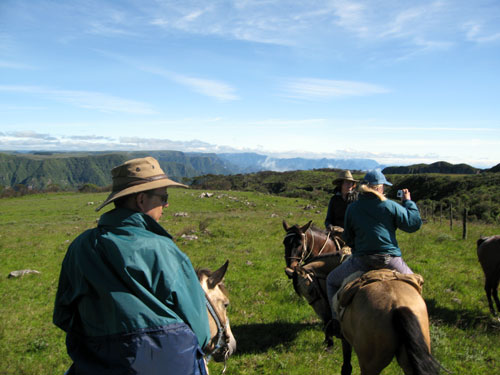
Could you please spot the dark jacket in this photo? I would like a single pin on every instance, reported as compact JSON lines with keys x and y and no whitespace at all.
{"x":337,"y":207}
{"x":130,"y":301}
{"x":370,"y":224}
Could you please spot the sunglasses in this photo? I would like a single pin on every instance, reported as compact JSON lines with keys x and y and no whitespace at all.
{"x":163,"y":197}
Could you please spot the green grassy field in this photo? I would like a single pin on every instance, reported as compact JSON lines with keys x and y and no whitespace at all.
{"x":277,"y":332}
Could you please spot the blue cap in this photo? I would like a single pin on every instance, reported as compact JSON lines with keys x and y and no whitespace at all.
{"x":376,"y":177}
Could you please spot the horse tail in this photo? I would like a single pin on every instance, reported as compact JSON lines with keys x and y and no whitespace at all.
{"x":410,"y":335}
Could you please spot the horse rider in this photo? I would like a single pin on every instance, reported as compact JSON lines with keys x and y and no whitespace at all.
{"x":370,"y":231}
{"x":343,"y":194}
{"x":128,"y":299}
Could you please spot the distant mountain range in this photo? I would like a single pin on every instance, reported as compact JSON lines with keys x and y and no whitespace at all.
{"x":70,"y":170}
{"x":252,"y":162}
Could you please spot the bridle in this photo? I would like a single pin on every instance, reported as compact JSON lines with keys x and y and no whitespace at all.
{"x":307,"y":251}
{"x":222,"y":344}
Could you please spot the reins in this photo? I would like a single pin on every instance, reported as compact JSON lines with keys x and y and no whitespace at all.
{"x":222,"y":344}
{"x":307,"y":252}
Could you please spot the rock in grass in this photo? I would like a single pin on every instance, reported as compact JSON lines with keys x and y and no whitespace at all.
{"x":20,"y":273}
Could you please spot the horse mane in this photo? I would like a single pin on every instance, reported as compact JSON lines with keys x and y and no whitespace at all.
{"x":319,"y":231}
{"x":313,"y":228}
{"x":316,"y":229}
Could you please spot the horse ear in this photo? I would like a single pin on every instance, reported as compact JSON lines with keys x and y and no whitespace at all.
{"x":217,"y":276}
{"x":306,"y":227}
{"x":285,"y":226}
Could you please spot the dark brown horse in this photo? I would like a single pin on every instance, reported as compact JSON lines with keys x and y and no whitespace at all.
{"x":222,"y":343}
{"x":309,"y":281}
{"x":488,"y":253}
{"x":306,"y":242}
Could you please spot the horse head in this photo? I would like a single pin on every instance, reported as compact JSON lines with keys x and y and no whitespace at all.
{"x":222,"y":343}
{"x":295,"y":244}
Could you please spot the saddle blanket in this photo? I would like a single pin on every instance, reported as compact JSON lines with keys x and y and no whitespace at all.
{"x":358,"y":280}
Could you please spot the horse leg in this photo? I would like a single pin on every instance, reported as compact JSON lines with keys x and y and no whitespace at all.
{"x":346,"y":354}
{"x":488,"y":287}
{"x":328,"y":342}
{"x":494,"y":289}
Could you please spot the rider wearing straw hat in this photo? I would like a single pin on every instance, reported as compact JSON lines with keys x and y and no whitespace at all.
{"x":343,"y":194}
{"x":128,"y":299}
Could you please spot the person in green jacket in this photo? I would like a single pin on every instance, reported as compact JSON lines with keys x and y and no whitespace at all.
{"x":128,"y":299}
{"x":370,"y":230}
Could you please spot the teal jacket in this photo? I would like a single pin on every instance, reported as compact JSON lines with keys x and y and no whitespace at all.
{"x":127,"y":279}
{"x":370,"y":224}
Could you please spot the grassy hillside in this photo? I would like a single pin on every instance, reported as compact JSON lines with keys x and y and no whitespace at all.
{"x":437,"y":167}
{"x":479,"y":193}
{"x":69,"y":171}
{"x":277,"y":332}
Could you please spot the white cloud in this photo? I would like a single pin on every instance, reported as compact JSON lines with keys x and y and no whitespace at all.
{"x":31,"y":140}
{"x":14,"y":65}
{"x":84,"y":99}
{"x":212,"y":88}
{"x":475,"y":33}
{"x":208,"y":87}
{"x":313,"y":88}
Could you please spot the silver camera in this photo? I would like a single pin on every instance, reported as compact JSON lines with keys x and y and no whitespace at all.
{"x":399,"y":194}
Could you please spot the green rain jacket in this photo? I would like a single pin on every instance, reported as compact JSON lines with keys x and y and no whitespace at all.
{"x":370,"y":224}
{"x":126,"y":283}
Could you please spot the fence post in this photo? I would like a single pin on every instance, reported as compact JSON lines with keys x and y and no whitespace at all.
{"x":464,"y":232}
{"x":440,"y":212}
{"x":451,"y":216}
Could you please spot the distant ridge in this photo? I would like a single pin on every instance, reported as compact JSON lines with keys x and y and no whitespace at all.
{"x":66,"y":170}
{"x":72,"y":170}
{"x":40,"y":170}
{"x":252,"y":162}
{"x":437,"y":167}
{"x":494,"y":169}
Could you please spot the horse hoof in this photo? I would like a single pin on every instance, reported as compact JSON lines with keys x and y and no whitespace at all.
{"x":329,"y":345}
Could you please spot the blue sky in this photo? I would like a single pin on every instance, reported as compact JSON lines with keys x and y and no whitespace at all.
{"x":396,"y":81}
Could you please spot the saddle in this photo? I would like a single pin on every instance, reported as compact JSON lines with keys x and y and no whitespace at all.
{"x":336,"y":236}
{"x":358,"y":280}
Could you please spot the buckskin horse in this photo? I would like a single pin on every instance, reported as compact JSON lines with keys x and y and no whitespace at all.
{"x":306,"y":242}
{"x":488,"y":253}
{"x":386,"y":317}
{"x":222,"y":343}
{"x":383,"y":316}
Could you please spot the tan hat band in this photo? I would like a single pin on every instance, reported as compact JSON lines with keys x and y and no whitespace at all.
{"x":139,"y":181}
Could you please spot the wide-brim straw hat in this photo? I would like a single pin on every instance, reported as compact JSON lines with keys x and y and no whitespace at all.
{"x":137,"y":175}
{"x":344,"y":176}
